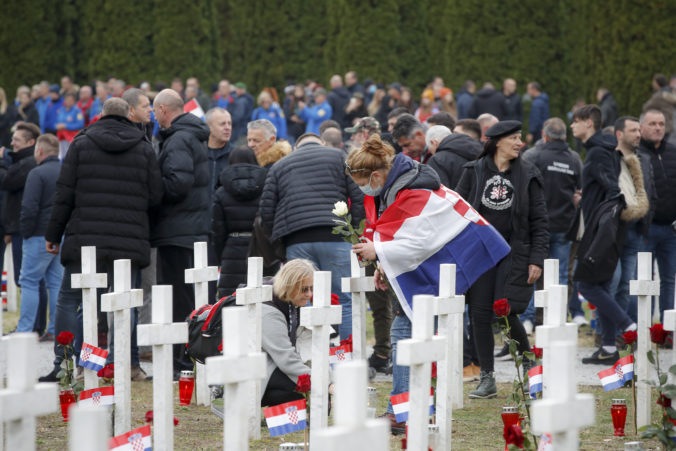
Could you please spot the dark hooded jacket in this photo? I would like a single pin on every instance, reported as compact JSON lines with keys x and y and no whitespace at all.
{"x":451,"y":155}
{"x":183,"y":216}
{"x":12,"y":182}
{"x":108,"y":182}
{"x":234,"y":210}
{"x":488,"y":101}
{"x":609,"y":111}
{"x":338,"y":99}
{"x":529,"y":234}
{"x":600,"y":173}
{"x":663,"y":161}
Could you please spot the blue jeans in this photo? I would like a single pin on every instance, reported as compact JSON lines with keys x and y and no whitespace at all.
{"x":401,"y":330}
{"x":334,"y":257}
{"x":662,"y":243}
{"x":633,"y":243}
{"x":41,"y":307}
{"x":612,"y":316}
{"x":37,"y":264}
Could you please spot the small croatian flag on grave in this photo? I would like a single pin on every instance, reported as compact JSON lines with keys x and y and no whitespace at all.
{"x":286,"y":418}
{"x":340,"y":354}
{"x":134,"y":440}
{"x":193,"y":107}
{"x":625,"y":368}
{"x":100,"y":396}
{"x":92,"y":357}
{"x":400,"y":405}
{"x":535,"y":380}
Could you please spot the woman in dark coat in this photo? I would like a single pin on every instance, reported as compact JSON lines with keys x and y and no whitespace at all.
{"x":508,"y":192}
{"x":234,"y":210}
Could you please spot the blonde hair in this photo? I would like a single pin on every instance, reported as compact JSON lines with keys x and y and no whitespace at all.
{"x":374,"y":154}
{"x":264,"y":95}
{"x":289,"y":279}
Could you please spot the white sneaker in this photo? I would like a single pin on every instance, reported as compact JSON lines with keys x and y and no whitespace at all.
{"x":580,"y":320}
{"x":528,"y":326}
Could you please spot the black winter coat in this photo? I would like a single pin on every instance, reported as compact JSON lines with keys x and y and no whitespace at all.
{"x":338,"y":99}
{"x":529,"y":238}
{"x":183,"y":216}
{"x":108,"y":182}
{"x":663,"y":160}
{"x":600,"y":173}
{"x":218,"y":160}
{"x":609,"y":111}
{"x":36,"y":206}
{"x":513,"y":108}
{"x":12,"y":181}
{"x":302,"y":188}
{"x":488,"y":101}
{"x":453,"y":153}
{"x":235,"y":207}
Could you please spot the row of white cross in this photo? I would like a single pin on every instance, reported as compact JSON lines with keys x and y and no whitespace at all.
{"x":561,"y":412}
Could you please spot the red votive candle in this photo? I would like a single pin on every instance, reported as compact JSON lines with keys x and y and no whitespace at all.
{"x":186,"y":383}
{"x":619,"y":413}
{"x":510,"y":417}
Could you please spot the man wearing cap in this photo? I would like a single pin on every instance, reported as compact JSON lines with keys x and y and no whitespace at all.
{"x":315,"y":115}
{"x":240,"y":109}
{"x":362,"y":130}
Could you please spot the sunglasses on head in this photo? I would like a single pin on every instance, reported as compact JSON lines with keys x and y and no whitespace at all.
{"x":350,"y":171}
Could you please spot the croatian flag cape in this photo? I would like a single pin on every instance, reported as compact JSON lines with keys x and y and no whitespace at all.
{"x":422,"y":229}
{"x":135,"y":440}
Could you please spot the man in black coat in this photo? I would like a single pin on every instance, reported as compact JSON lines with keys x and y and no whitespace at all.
{"x":488,"y":100}
{"x":452,"y":153}
{"x":108,"y":182}
{"x":513,"y":106}
{"x":338,"y":98}
{"x":608,"y":105}
{"x":183,"y":216}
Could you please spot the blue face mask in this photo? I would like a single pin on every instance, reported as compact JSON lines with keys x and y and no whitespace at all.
{"x":367,"y":190}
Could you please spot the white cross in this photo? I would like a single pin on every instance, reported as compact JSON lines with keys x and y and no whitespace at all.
{"x":236,"y":368}
{"x":419,"y":352}
{"x":351,"y":429}
{"x":23,"y":400}
{"x":550,"y":277}
{"x":319,"y":318}
{"x":450,"y":309}
{"x":358,"y":284}
{"x":89,"y":280}
{"x":201,"y":275}
{"x":119,"y":302}
{"x":565,"y":412}
{"x":669,"y":323}
{"x":162,"y":334}
{"x":11,"y":286}
{"x":88,"y":427}
{"x":645,"y":287}
{"x":252,"y":296}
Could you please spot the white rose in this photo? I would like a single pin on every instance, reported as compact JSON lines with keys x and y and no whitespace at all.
{"x":339,"y":208}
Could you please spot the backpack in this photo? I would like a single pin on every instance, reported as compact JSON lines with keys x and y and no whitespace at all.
{"x":205,"y":329}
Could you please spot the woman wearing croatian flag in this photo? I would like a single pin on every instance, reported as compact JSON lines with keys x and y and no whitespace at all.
{"x":508,"y":192}
{"x":413,"y":225}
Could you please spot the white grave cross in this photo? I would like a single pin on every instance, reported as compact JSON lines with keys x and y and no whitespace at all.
{"x":162,"y":334}
{"x":351,"y":429}
{"x":358,"y":284}
{"x":89,"y":427}
{"x":89,"y":280}
{"x":236,"y":369}
{"x":201,"y":275}
{"x":319,"y":318}
{"x":565,"y":412}
{"x":450,"y":309}
{"x":252,"y":296}
{"x":645,"y":287}
{"x":550,"y":277}
{"x":670,"y":324}
{"x":119,"y":302}
{"x":418,"y":352}
{"x":23,"y":399}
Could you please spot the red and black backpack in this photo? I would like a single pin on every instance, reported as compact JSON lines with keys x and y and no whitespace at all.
{"x":205,"y":333}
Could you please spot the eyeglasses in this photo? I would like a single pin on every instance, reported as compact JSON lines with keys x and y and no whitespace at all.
{"x":350,"y":171}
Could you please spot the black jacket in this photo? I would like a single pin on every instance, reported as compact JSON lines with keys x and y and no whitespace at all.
{"x":451,"y":155}
{"x":108,"y":182}
{"x":529,"y":239}
{"x":600,"y":172}
{"x":36,"y":206}
{"x":609,"y":111}
{"x":338,"y":99}
{"x":218,"y":160}
{"x":240,"y":109}
{"x":561,"y":169}
{"x":513,"y":108}
{"x":12,"y":181}
{"x":234,"y":210}
{"x":183,"y":216}
{"x":663,"y":161}
{"x":302,"y":188}
{"x":488,"y":101}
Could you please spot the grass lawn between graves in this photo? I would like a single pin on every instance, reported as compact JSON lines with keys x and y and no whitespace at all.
{"x":478,"y":426}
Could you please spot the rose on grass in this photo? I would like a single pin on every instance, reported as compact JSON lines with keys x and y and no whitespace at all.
{"x":658,"y":335}
{"x":64,"y":338}
{"x":339,"y":208}
{"x":303,"y":385}
{"x":107,"y":372}
{"x":514,"y":435}
{"x":537,"y":351}
{"x":629,"y":336}
{"x":501,"y":307}
{"x":150,"y":418}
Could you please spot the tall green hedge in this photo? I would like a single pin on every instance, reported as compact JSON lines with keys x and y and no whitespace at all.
{"x":572,"y":47}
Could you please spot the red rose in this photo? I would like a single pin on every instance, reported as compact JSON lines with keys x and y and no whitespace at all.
{"x":107,"y":371}
{"x":514,"y":436}
{"x":537,"y":351}
{"x":335,"y":300}
{"x":64,"y":338}
{"x":629,"y":336}
{"x":664,"y":401}
{"x":149,"y":416}
{"x":434,"y":369}
{"x":303,"y":385}
{"x":175,"y":421}
{"x":658,"y":335}
{"x":501,"y":307}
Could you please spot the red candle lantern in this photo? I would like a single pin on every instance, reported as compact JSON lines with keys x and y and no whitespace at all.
{"x":66,"y":398}
{"x":510,"y":417}
{"x":619,"y":413}
{"x":186,"y":383}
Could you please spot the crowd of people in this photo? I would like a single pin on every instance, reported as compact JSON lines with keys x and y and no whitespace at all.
{"x":139,"y":175}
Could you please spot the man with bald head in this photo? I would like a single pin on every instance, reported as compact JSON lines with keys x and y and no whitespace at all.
{"x":486,"y":121}
{"x":513,"y":107}
{"x":338,"y":98}
{"x":183,"y":216}
{"x":220,"y":130}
